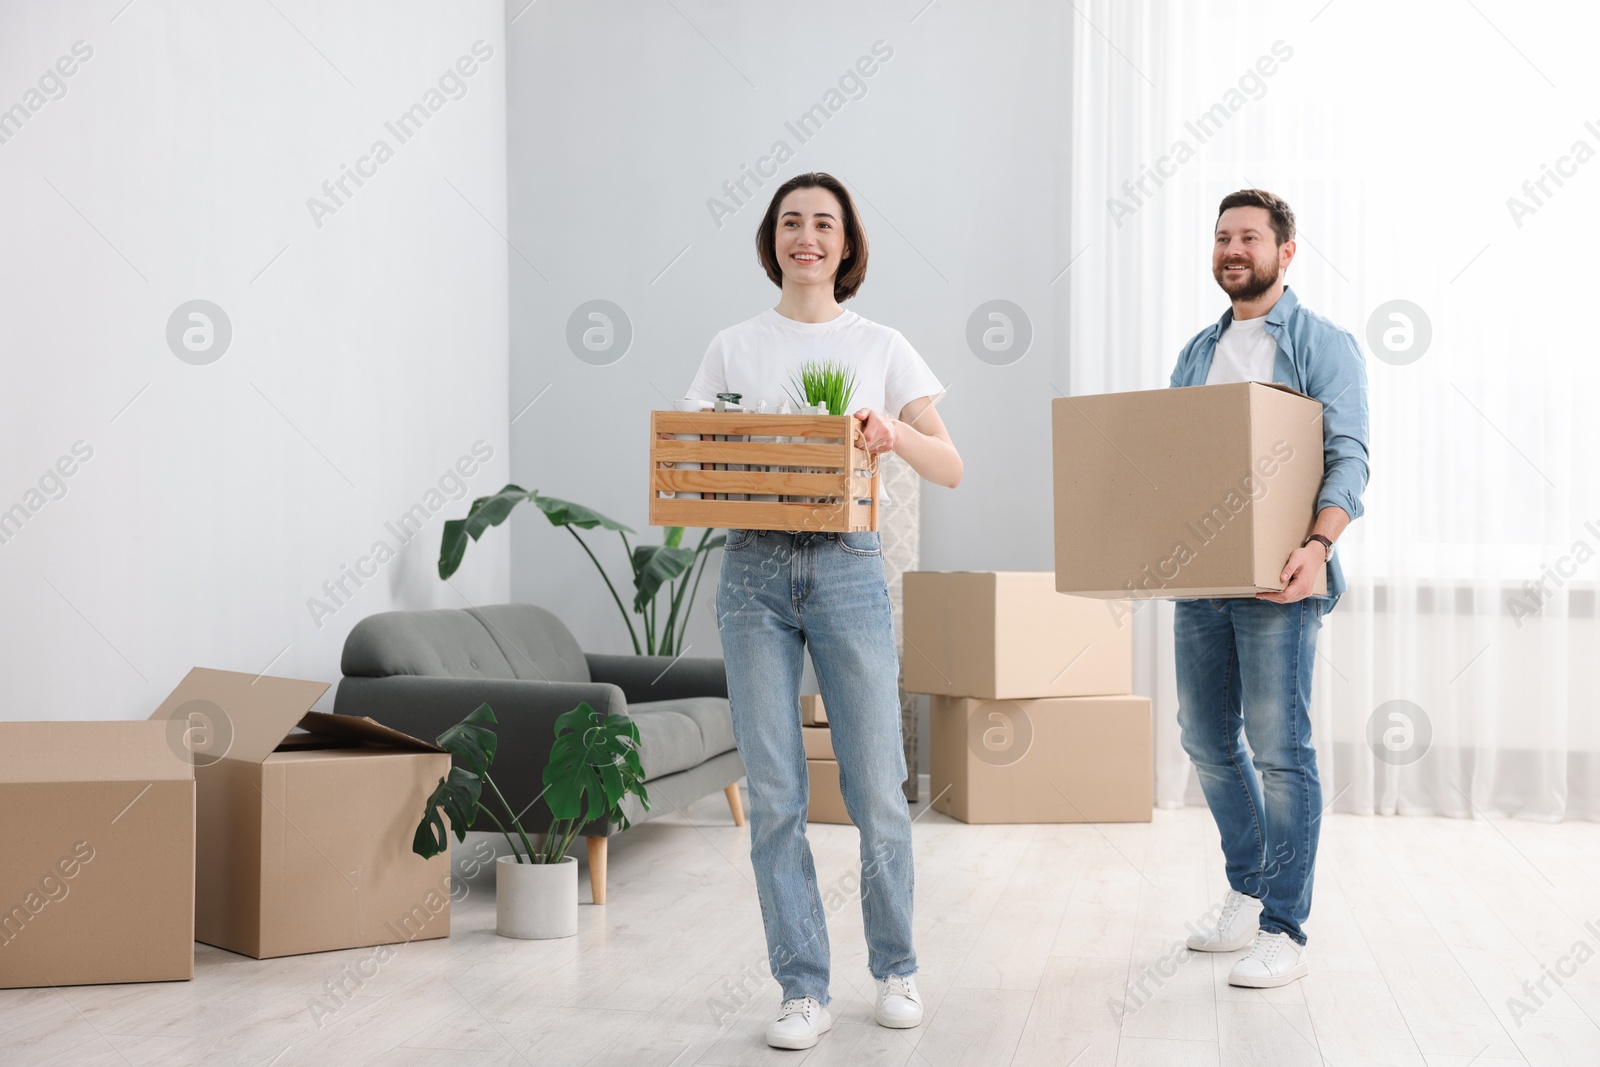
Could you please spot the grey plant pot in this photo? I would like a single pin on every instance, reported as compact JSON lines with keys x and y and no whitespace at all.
{"x":536,"y":901}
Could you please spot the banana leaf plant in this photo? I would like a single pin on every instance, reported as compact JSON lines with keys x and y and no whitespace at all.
{"x":655,"y":567}
{"x":593,"y":765}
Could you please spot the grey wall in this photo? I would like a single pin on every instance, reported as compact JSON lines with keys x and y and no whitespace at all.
{"x":620,"y":131}
{"x":367,"y":353}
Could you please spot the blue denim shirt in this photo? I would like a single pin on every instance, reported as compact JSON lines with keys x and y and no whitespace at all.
{"x":1323,"y":361}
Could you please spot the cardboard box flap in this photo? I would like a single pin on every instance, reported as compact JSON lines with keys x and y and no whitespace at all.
{"x":116,"y":750}
{"x":1284,"y":389}
{"x":243,"y":716}
{"x":1136,"y":392}
{"x":362,"y":730}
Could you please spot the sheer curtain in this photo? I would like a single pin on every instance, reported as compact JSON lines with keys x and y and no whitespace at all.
{"x":1444,"y":164}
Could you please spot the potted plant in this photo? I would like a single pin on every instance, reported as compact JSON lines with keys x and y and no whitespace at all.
{"x":655,"y":567}
{"x":593,"y":766}
{"x":825,"y":382}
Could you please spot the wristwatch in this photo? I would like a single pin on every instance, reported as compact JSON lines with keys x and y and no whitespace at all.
{"x":1327,"y":545}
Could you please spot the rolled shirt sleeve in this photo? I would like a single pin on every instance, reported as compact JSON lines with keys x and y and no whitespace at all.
{"x":1338,"y":379}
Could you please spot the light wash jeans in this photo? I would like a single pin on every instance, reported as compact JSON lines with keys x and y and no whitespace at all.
{"x":779,"y":593}
{"x":1246,"y":663}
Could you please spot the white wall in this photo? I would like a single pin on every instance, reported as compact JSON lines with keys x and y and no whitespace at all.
{"x":621,"y":130}
{"x":365,"y":359}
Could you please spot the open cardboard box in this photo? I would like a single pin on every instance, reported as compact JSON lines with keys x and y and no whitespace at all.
{"x":304,"y":835}
{"x":97,"y":883}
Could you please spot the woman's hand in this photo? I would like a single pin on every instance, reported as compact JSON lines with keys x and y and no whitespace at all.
{"x":882,"y":434}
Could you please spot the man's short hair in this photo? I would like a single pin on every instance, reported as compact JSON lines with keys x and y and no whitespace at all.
{"x":1277,"y":207}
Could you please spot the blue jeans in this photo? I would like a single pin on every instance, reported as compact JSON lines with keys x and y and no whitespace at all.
{"x":1244,"y":672}
{"x":780,"y":592}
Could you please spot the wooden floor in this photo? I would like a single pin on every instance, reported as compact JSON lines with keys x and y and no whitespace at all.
{"x":1028,"y":936}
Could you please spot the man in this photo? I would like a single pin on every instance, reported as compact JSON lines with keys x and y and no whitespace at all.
{"x":1246,"y":663}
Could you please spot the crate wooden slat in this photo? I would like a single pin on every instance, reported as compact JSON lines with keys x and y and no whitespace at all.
{"x":831,"y":460}
{"x":758,"y":452}
{"x":786,"y":483}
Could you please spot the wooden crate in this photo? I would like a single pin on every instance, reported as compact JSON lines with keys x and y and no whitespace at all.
{"x":848,"y":473}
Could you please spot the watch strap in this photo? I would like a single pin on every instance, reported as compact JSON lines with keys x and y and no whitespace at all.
{"x":1327,"y":545}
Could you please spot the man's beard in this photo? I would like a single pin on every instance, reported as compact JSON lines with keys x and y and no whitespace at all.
{"x":1255,"y":283}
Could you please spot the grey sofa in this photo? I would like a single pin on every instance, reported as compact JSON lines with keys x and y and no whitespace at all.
{"x":423,"y":671}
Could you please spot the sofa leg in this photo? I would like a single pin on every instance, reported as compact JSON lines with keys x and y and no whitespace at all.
{"x":597,"y":868}
{"x":735,"y":805}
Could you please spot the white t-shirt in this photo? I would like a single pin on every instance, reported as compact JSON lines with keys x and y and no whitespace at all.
{"x":1245,"y":352}
{"x":761,"y":357}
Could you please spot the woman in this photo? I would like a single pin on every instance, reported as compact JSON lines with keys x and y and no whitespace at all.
{"x":782,"y":591}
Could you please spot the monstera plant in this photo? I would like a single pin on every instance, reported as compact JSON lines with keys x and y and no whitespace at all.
{"x":593,"y":766}
{"x":668,"y":566}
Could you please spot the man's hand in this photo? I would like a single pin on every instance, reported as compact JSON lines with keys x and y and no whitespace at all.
{"x":1299,"y":573}
{"x":882,"y":434}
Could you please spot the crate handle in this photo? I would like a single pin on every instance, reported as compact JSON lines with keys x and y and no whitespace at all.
{"x":860,"y":441}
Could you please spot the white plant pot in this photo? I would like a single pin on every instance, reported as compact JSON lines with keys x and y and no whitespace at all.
{"x":536,"y":900}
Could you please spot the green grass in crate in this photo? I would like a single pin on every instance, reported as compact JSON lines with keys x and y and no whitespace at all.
{"x":825,"y":382}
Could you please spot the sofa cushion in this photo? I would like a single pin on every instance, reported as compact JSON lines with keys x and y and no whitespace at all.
{"x":536,"y":644}
{"x":511,"y":641}
{"x":675,"y":735}
{"x":443,"y":643}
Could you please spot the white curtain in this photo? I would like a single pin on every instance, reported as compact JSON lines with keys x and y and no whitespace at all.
{"x":1400,"y":134}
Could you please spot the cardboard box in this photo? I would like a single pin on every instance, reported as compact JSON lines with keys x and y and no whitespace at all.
{"x":304,"y":838}
{"x":97,"y":884}
{"x":818,"y":741}
{"x":827,"y":799}
{"x":1173,"y":493}
{"x":1059,"y":760}
{"x":812,"y":713}
{"x":1008,"y":634}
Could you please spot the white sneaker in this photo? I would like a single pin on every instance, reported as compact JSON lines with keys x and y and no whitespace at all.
{"x":1234,"y":928}
{"x":898,"y":1005}
{"x":1274,"y":960}
{"x":800,"y":1024}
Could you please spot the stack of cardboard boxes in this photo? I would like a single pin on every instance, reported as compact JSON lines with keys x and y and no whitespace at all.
{"x":1031,"y":716}
{"x":219,"y":821}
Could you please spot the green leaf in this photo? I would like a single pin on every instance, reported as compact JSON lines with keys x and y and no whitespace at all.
{"x":486,"y":511}
{"x":566,"y":513}
{"x":452,"y":546}
{"x":458,"y":795}
{"x":472,"y":744}
{"x":594,"y":764}
{"x":653,"y":567}
{"x":826,"y":381}
{"x":673,"y":536}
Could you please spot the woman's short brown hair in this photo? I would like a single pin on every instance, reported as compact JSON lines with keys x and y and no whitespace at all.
{"x":852,"y":269}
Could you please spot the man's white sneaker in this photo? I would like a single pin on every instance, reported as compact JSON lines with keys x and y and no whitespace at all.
{"x":801,"y":1023}
{"x":898,"y":1005}
{"x":1274,"y":960}
{"x":1233,"y":928}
